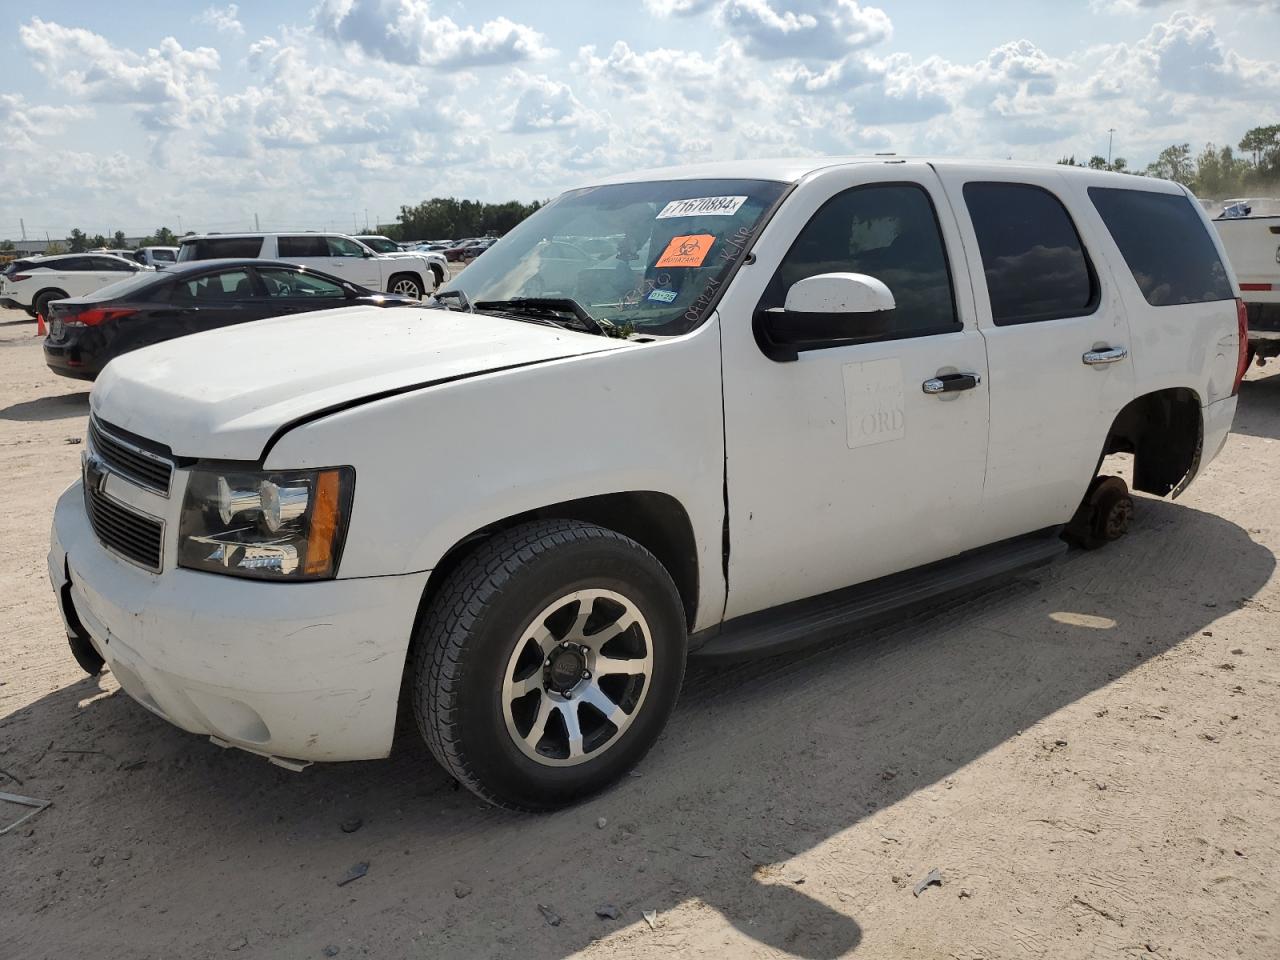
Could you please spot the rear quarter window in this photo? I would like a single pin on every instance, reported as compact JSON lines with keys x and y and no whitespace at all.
{"x":218,"y":248}
{"x":1164,"y":241}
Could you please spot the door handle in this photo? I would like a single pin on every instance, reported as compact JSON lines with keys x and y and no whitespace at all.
{"x":951,"y":382}
{"x":1106,"y":355}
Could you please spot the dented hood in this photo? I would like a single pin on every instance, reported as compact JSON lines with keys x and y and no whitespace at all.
{"x":224,"y":393}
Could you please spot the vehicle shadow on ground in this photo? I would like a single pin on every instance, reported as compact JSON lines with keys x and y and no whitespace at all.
{"x":1259,"y":406}
{"x":762,"y":762}
{"x":17,"y":323}
{"x":60,"y":407}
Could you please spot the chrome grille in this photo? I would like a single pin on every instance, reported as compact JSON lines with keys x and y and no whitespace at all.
{"x":143,"y":467}
{"x":133,"y":535}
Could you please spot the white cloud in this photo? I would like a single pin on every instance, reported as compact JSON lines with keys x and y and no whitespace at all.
{"x":223,"y":19}
{"x":406,"y":32}
{"x":678,"y":8}
{"x":804,"y":29}
{"x":170,"y":83}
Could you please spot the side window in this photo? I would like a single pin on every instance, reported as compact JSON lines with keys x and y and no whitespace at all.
{"x":72,"y":264}
{"x":111,"y":263}
{"x":1035,"y":264}
{"x":293,"y":283}
{"x":218,"y":248}
{"x":887,"y":231}
{"x":1165,"y":244}
{"x":342,"y":247}
{"x":309,"y":246}
{"x":213,"y":288}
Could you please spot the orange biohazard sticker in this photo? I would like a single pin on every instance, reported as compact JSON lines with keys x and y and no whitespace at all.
{"x":687,"y":251}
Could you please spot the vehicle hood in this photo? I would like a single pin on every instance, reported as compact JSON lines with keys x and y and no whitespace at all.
{"x":223,"y":394}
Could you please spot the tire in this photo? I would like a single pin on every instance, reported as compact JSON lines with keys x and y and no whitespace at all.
{"x":406,"y":284}
{"x":41,"y":303}
{"x":478,"y":636}
{"x":437,"y":274}
{"x":1104,"y":515}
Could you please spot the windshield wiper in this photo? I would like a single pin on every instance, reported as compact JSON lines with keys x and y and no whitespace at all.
{"x":542,"y":306}
{"x":464,"y":303}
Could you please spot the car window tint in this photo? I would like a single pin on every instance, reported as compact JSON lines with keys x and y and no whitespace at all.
{"x":342,"y":247}
{"x":164,"y":255}
{"x":69,"y":264}
{"x":212,"y":288}
{"x":294,"y":283}
{"x":221,"y":248}
{"x":1035,"y":264}
{"x":1164,"y":241}
{"x":111,"y":263}
{"x":306,"y":246}
{"x":887,"y":231}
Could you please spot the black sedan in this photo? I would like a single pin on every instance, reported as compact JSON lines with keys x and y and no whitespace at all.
{"x":86,"y":332}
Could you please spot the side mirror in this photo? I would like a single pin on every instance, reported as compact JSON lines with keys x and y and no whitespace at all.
{"x":826,"y":310}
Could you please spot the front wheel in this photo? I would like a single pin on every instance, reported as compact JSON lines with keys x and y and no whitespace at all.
{"x":548,"y":663}
{"x":406,"y":285}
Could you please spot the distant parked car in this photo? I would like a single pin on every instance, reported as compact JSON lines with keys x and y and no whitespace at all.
{"x":45,"y":279}
{"x":473,"y":251}
{"x":456,"y":251}
{"x":387,"y":247}
{"x":1252,"y":241}
{"x":86,"y":332}
{"x":410,"y":274}
{"x":158,"y":257}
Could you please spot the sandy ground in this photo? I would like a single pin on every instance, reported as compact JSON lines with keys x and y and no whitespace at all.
{"x":1090,"y":757}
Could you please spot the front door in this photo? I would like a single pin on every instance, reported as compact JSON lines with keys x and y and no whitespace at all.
{"x":841,"y":467}
{"x":1057,"y":340}
{"x":351,"y":261}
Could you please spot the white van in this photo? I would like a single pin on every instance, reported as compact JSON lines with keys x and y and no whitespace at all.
{"x":789,"y":398}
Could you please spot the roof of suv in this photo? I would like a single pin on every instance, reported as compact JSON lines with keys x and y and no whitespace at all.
{"x":794,"y":169}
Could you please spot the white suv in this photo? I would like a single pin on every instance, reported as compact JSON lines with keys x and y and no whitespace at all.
{"x":786,"y":400}
{"x":331,"y":253}
{"x":45,"y":279}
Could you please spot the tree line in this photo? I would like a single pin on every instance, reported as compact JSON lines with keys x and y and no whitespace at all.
{"x":450,"y":218}
{"x":1215,"y":173}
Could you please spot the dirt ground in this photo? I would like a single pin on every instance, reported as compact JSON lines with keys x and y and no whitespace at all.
{"x":1090,"y":757}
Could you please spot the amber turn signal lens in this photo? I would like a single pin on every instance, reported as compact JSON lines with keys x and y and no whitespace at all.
{"x":324,"y":524}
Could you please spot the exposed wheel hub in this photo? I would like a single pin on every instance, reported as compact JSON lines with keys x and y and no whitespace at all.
{"x":566,"y":667}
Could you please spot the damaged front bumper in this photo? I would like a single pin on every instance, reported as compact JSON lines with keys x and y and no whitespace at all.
{"x":294,"y":672}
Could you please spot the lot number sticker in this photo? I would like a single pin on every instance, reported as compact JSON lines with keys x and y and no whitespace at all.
{"x":687,"y":251}
{"x":702,"y":207}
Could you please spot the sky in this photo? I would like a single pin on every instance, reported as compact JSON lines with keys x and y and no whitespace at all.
{"x":330,"y":114}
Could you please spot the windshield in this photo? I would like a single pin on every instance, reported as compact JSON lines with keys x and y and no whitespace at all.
{"x":380,"y":244}
{"x":649,"y":256}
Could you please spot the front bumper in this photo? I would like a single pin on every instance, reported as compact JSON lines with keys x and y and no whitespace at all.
{"x":294,"y":671}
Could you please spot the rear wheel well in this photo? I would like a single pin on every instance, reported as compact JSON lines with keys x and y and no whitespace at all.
{"x":656,"y":521}
{"x":1164,"y":431}
{"x":58,"y":294}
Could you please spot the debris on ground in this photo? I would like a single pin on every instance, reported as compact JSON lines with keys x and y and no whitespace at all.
{"x":133,"y":765}
{"x":602,"y":823}
{"x":608,"y":911}
{"x":351,"y":825}
{"x":931,"y":879}
{"x":355,"y":873}
{"x":236,"y":944}
{"x":461,"y":890}
{"x":553,"y":919}
{"x":651,"y":918}
{"x":24,"y":802}
{"x":330,"y":951}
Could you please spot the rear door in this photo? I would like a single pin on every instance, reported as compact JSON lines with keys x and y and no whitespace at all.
{"x":105,"y":270}
{"x":308,"y":250}
{"x":1058,"y":343}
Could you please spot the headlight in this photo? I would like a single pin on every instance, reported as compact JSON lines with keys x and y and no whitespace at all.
{"x":276,"y":525}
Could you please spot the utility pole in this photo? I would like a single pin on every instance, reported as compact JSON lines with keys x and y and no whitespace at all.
{"x":22,"y":223}
{"x":257,"y":227}
{"x":179,"y":224}
{"x":1111,"y":133}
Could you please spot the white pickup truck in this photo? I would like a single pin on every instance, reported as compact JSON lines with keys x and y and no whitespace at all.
{"x":45,"y":279}
{"x":790,"y":398}
{"x":411,"y":275}
{"x":1252,"y":242}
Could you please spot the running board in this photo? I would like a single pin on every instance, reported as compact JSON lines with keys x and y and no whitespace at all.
{"x":867,"y":605}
